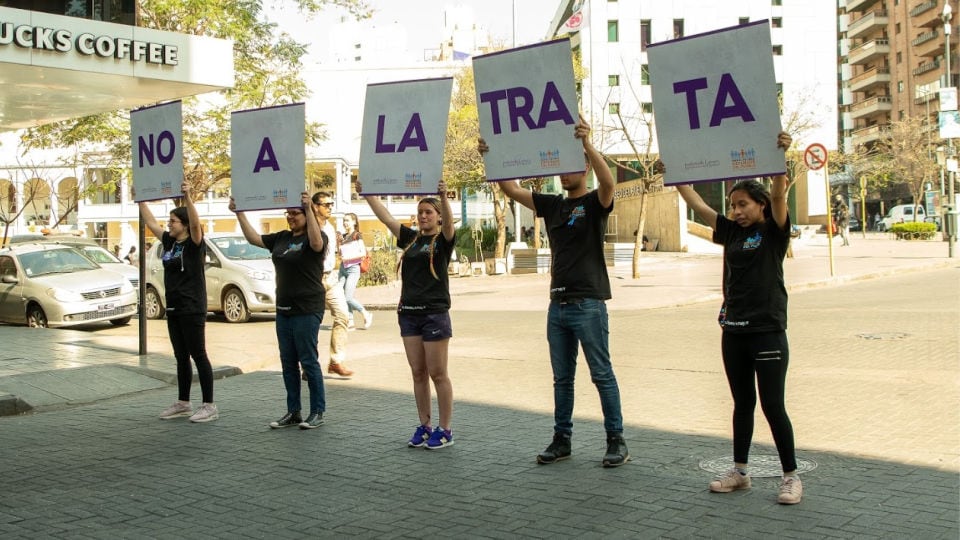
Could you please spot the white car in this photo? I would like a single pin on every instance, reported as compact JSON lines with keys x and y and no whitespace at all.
{"x":50,"y":285}
{"x":900,"y":214}
{"x":240,"y":278}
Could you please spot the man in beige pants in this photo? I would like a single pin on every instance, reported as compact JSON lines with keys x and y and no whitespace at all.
{"x":336,"y":302}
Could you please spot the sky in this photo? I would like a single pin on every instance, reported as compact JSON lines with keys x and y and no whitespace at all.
{"x":423,"y":20}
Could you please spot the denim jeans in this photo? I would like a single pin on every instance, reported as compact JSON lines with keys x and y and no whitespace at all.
{"x":570,"y":326}
{"x":297,"y":337}
{"x":349,"y":276}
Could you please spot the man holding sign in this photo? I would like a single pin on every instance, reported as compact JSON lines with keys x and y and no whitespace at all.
{"x":579,"y":288}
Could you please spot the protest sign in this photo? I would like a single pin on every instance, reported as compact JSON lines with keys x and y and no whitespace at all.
{"x":156,"y":145}
{"x":267,"y":157}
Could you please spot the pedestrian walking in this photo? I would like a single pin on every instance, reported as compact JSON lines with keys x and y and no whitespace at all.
{"x":352,"y":252}
{"x":841,"y":215}
{"x":579,"y":288}
{"x":335,"y":301}
{"x":297,"y":256}
{"x":424,"y":310}
{"x":132,"y":257}
{"x":753,"y":318}
{"x":184,"y":257}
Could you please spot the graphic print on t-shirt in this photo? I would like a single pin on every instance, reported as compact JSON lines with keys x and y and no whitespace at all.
{"x":577,"y":212}
{"x":169,"y":257}
{"x":752,"y":241}
{"x":292,"y":248}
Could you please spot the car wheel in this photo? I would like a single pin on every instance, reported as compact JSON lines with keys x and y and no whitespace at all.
{"x":36,"y":318}
{"x":123,"y":321}
{"x":152,"y":305}
{"x":235,"y":307}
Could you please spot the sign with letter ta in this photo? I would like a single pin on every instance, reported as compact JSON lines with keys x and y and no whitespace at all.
{"x":267,"y":157}
{"x":156,"y":144}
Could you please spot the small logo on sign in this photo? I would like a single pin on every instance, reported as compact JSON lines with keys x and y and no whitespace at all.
{"x":744,"y":158}
{"x":550,"y":159}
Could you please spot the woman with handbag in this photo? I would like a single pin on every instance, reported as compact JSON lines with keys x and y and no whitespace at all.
{"x":352,"y":254}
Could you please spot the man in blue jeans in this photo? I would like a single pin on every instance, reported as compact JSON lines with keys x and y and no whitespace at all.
{"x":579,"y":288}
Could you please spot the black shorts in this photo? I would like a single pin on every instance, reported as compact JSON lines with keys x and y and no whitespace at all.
{"x":430,"y":326}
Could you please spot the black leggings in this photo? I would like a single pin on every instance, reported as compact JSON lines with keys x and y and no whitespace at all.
{"x":188,"y":337}
{"x":764,"y":356}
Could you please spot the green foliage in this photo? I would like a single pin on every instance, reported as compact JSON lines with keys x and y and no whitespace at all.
{"x":914,"y":230}
{"x":383,"y":268}
{"x":466,"y":245}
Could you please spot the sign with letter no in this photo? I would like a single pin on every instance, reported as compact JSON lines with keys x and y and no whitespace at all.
{"x":815,"y":156}
{"x":156,"y":145}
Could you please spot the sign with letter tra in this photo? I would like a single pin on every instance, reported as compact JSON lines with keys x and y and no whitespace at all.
{"x":403,"y":136}
{"x":267,"y":157}
{"x":527,"y":104}
{"x":156,"y":145}
{"x":715,"y":105}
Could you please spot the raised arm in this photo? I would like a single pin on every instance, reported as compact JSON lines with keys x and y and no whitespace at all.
{"x":778,"y":186}
{"x":249,"y":232}
{"x":314,"y":231}
{"x":196,"y":228}
{"x":381,"y":211}
{"x":605,"y":181}
{"x":511,"y":188}
{"x":149,"y":221}
{"x":446,"y":213}
{"x":694,"y":201}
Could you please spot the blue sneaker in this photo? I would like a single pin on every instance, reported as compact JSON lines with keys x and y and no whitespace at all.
{"x":420,"y":437}
{"x":440,"y":438}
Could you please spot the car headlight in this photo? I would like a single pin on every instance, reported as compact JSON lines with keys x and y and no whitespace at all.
{"x":258,"y":274}
{"x":126,"y":287}
{"x":63,"y":295}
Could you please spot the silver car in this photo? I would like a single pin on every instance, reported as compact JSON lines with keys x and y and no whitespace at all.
{"x":240,"y":278}
{"x":50,"y":285}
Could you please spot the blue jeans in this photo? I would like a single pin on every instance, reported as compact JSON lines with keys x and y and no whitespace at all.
{"x":349,"y":276}
{"x":297,"y":338}
{"x":570,"y":326}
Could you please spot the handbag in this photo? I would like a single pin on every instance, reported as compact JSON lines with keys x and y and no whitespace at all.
{"x":365,"y":264}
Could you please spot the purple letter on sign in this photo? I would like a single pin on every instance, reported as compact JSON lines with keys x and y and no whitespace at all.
{"x":551,"y":97}
{"x":492,"y":98}
{"x":266,"y":157}
{"x":520,"y":109}
{"x":381,"y":147}
{"x":728,"y":88}
{"x":145,"y":149}
{"x":413,"y":135}
{"x":690,"y":88}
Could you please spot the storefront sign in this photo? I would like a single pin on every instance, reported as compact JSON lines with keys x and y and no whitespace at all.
{"x":39,"y":38}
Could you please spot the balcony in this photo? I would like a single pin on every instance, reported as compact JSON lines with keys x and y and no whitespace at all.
{"x":928,"y":44}
{"x":924,"y":7}
{"x":926,"y":14}
{"x":926,"y":66}
{"x":866,"y":135}
{"x":859,"y":5}
{"x":926,"y":98}
{"x":869,"y":51}
{"x":870,"y":107}
{"x":870,"y":79}
{"x":864,"y":25}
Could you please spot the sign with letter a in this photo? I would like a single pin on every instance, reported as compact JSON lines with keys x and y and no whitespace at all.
{"x":715,"y":105}
{"x":527,"y":104}
{"x":156,"y":144}
{"x":403,"y":137}
{"x":267,"y":157}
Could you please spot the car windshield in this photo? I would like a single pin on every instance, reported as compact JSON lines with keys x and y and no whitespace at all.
{"x":54,"y":261}
{"x":236,"y":248}
{"x":99,"y":255}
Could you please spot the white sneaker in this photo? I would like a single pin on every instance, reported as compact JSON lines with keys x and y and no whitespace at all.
{"x":351,"y":325}
{"x":732,"y":480}
{"x":178,"y":409}
{"x":206,"y":413}
{"x":791,"y":490}
{"x":367,"y":320}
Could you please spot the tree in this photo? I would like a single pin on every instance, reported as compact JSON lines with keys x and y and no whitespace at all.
{"x":267,"y":64}
{"x":903,"y":160}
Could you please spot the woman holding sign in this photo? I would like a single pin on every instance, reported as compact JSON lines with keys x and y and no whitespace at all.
{"x":423,"y":312}
{"x":352,"y":252}
{"x":754,"y":319}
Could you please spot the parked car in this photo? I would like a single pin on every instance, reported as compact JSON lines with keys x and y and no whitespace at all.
{"x":854,"y":224}
{"x":49,"y":285}
{"x":900,"y":214}
{"x":93,"y":251}
{"x":935,"y":219}
{"x":239,"y":275}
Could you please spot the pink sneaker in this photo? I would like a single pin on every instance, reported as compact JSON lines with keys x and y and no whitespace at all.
{"x":732,"y":480}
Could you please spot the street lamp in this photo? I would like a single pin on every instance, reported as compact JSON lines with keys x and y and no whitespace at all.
{"x":950,"y":213}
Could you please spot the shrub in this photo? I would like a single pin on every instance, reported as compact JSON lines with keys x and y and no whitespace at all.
{"x":914,"y":230}
{"x":383,"y":268}
{"x":465,"y":244}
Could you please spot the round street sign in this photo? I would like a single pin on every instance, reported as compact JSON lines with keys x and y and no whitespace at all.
{"x":815,"y":156}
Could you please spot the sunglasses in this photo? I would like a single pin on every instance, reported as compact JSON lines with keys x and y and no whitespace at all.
{"x":293,"y":213}
{"x":326,"y":204}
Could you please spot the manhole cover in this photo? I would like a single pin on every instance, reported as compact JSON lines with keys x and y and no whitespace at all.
{"x":885,"y":336}
{"x":761,"y":466}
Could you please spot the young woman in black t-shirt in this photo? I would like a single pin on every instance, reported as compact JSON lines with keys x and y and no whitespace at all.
{"x":754,"y":319}
{"x":184,"y":257}
{"x":423,"y":312}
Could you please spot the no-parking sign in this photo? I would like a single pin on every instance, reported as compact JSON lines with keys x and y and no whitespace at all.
{"x":815,"y":156}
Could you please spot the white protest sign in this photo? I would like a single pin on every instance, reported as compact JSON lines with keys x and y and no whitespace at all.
{"x":156,"y":146}
{"x":267,"y":157}
{"x":527,"y":104}
{"x":403,"y":136}
{"x":715,"y":104}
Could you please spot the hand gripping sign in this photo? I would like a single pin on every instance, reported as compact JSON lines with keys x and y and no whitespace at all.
{"x":156,"y":144}
{"x":715,"y":104}
{"x":403,"y":136}
{"x":527,"y":104}
{"x":267,"y":157}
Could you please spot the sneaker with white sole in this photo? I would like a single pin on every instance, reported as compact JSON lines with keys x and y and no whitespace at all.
{"x":288,"y":420}
{"x":732,"y":480}
{"x":206,"y":413}
{"x":178,"y":409}
{"x":791,"y":490}
{"x":440,"y":438}
{"x":315,"y":420}
{"x":367,"y":320}
{"x":420,"y":437}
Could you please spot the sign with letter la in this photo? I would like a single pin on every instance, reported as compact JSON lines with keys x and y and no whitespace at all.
{"x":156,"y":145}
{"x":527,"y":106}
{"x":267,"y":157}
{"x":715,"y":105}
{"x":403,"y":137}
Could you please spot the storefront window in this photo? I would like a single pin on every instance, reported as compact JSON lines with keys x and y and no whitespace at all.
{"x":115,"y":11}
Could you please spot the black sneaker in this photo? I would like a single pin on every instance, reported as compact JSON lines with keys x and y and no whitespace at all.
{"x":289,"y":420}
{"x":315,"y":420}
{"x":617,"y":453}
{"x":558,"y":450}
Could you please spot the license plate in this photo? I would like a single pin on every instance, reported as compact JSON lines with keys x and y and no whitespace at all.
{"x":105,"y":307}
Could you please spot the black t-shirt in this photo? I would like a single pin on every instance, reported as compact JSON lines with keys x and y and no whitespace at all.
{"x":576,"y":228}
{"x":754,"y":296}
{"x":421,"y":292}
{"x":299,"y":271}
{"x":183,"y":275}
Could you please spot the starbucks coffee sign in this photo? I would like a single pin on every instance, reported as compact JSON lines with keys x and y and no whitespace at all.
{"x":59,"y":40}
